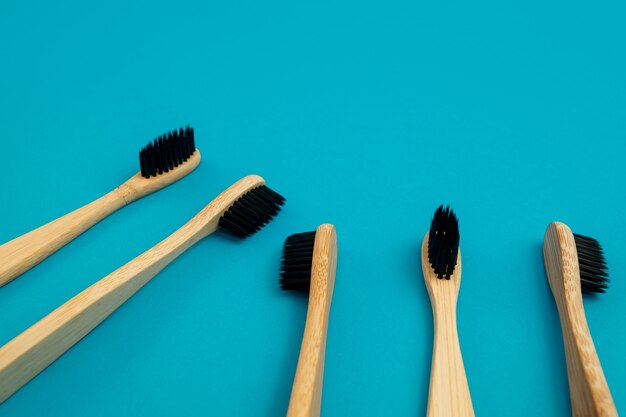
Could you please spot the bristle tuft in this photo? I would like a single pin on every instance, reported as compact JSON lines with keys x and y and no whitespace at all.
{"x":295,"y":268}
{"x":594,"y":277}
{"x":167,"y":152}
{"x":251,"y":211}
{"x":443,"y":242}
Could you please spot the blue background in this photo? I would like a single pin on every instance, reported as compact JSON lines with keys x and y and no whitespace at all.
{"x":364,"y":114}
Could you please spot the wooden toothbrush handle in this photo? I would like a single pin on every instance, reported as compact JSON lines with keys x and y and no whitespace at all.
{"x":26,"y":251}
{"x":589,"y":392}
{"x":22,"y":253}
{"x":32,"y":351}
{"x":449,"y":394}
{"x":306,"y":393}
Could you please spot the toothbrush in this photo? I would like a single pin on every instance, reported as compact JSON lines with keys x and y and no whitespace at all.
{"x":449,"y":394}
{"x":575,"y":265}
{"x":242,"y":209}
{"x":168,"y":159}
{"x":309,"y":264}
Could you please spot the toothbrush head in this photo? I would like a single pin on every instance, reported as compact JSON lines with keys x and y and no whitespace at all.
{"x":250,"y":212}
{"x":297,"y":261}
{"x":443,"y":242}
{"x":167,"y":152}
{"x":594,"y":277}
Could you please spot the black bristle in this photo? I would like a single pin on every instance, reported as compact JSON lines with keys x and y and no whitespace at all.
{"x":150,"y":157}
{"x":167,"y":152}
{"x":296,"y":265}
{"x":160,"y":157}
{"x":177,"y":155}
{"x":443,"y":242}
{"x":594,"y":275}
{"x":169,"y":155}
{"x":190,"y":135}
{"x":251,"y":211}
{"x":143,"y":163}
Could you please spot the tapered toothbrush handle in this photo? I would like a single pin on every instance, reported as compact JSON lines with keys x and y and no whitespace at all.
{"x":32,"y":351}
{"x":26,"y":251}
{"x":306,"y":392}
{"x":449,"y":394}
{"x":22,"y":253}
{"x":589,"y":392}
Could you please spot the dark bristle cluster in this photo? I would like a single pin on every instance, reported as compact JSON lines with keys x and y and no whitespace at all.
{"x":295,"y":268}
{"x":251,"y":211}
{"x":443,"y":242}
{"x":167,"y":152}
{"x":594,"y":276}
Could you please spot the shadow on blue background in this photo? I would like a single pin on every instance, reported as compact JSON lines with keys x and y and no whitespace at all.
{"x":363,"y":114}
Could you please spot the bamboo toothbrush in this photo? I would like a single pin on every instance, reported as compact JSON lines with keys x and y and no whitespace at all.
{"x":309,"y":264}
{"x":575,"y":265}
{"x":168,"y":159}
{"x":242,"y":209}
{"x":449,"y":394}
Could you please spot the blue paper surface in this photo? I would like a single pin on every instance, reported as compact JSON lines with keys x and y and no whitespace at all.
{"x":367,"y":115}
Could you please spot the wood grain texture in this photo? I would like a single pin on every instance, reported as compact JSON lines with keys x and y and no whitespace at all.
{"x":589,"y":391}
{"x":449,"y":394}
{"x":22,"y":253}
{"x":37,"y":347}
{"x":306,"y":393}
